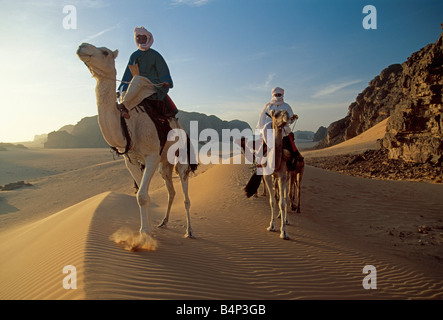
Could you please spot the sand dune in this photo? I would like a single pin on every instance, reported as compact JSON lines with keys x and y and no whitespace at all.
{"x":365,"y":141}
{"x":346,"y":223}
{"x":33,"y":256}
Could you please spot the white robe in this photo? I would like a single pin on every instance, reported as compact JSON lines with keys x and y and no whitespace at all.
{"x":264,"y":128}
{"x":265,"y":122}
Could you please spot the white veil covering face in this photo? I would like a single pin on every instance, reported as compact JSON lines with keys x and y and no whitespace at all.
{"x":277,"y":101}
{"x":149,"y":42}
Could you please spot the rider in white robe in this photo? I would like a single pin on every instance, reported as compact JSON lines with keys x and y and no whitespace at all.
{"x":264,"y":125}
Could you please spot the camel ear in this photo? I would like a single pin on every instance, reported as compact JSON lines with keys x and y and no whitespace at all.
{"x":115,"y":54}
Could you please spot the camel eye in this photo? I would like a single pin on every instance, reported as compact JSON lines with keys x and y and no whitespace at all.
{"x":105,"y":53}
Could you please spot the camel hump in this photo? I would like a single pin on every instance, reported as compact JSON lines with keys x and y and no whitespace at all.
{"x":160,"y":115}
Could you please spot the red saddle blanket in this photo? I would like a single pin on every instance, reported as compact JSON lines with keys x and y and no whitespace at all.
{"x":160,"y":112}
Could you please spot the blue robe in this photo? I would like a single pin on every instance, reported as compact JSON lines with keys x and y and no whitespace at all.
{"x":152,"y":66}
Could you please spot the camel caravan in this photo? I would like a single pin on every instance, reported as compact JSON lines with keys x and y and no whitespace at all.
{"x":137,"y":130}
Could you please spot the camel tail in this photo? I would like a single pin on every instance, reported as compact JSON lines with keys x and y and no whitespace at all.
{"x":253,"y":184}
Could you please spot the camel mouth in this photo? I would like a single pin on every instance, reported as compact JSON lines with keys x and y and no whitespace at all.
{"x":84,"y":56}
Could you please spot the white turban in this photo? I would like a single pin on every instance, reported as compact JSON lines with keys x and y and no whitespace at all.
{"x":278,"y":101}
{"x":149,"y":42}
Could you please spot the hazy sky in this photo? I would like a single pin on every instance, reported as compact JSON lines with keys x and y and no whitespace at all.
{"x":225,"y":56}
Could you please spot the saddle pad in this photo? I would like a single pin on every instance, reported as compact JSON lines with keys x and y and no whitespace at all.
{"x":160,"y":120}
{"x":289,"y":145}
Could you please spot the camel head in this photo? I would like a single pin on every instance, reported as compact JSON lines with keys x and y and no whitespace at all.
{"x":279,"y":118}
{"x":100,"y":61}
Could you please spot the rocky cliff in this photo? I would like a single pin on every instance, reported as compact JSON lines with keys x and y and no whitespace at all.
{"x":371,"y":106}
{"x":321,"y":134}
{"x":415,"y":130}
{"x":411,"y":95}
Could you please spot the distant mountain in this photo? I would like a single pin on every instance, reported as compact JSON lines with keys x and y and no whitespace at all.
{"x":4,"y":146}
{"x":304,"y":135}
{"x":86,"y":133}
{"x":68,"y":128}
{"x":206,"y":122}
{"x":321,"y":133}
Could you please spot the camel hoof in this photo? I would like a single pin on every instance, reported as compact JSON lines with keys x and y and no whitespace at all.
{"x":189,"y":234}
{"x":163,"y":224}
{"x":145,"y":232}
{"x":284,"y":236}
{"x":271,"y":229}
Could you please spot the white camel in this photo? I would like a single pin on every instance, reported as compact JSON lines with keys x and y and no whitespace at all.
{"x":280,"y":175}
{"x":144,"y":151}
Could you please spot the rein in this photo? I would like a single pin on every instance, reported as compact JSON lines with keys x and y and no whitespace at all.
{"x":128,"y":82}
{"x":158,"y":85}
{"x":293,"y":125}
{"x":127,"y":137}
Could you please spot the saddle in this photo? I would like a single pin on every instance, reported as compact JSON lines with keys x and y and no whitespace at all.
{"x":160,"y":111}
{"x":294,"y":154}
{"x":290,"y":150}
{"x":164,"y":107}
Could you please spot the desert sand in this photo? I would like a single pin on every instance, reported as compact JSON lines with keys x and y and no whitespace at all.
{"x":80,"y":198}
{"x":356,"y":145}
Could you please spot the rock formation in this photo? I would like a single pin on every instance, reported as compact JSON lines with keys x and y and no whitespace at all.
{"x":415,"y":129}
{"x":411,"y":95}
{"x":321,"y":134}
{"x":371,"y":106}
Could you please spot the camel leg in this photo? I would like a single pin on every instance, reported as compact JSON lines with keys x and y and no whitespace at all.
{"x":292,"y":186}
{"x":264,"y":188}
{"x":135,"y":170}
{"x":299,"y":177}
{"x":143,"y":199}
{"x":166,"y":173}
{"x":272,"y":202}
{"x":276,"y":194}
{"x":283,"y":185}
{"x":182,"y":170}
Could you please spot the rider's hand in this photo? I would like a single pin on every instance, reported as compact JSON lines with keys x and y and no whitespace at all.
{"x":294,"y":117}
{"x":165,"y":85}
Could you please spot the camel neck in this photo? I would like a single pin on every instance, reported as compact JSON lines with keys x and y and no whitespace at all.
{"x":105,"y":94}
{"x":108,"y":115}
{"x":278,"y":147}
